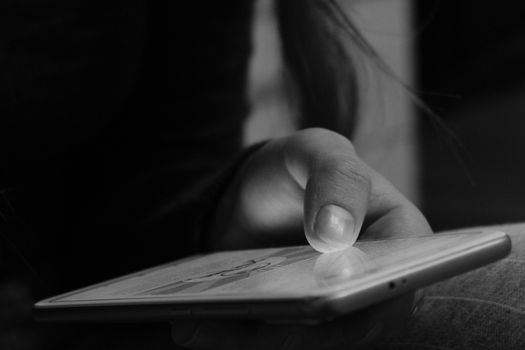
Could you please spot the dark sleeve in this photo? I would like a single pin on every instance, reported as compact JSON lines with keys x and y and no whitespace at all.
{"x":179,"y":138}
{"x":119,"y":125}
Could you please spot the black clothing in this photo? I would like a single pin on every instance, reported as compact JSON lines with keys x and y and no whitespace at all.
{"x":116,"y":120}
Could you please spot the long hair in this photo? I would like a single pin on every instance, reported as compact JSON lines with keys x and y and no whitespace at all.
{"x":320,"y":46}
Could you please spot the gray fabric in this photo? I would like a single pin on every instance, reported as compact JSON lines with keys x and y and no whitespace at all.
{"x":483,"y":309}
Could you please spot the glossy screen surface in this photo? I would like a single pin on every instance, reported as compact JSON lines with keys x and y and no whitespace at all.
{"x":280,"y":272}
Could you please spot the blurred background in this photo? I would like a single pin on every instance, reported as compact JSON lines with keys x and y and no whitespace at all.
{"x":471,"y":71}
{"x":465,"y":167}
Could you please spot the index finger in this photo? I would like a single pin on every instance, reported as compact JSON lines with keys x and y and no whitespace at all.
{"x":342,"y":194}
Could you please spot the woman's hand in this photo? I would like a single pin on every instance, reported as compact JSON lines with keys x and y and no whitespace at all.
{"x":310,"y":184}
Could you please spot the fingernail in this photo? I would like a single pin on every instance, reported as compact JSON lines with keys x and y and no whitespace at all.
{"x":335,"y":227}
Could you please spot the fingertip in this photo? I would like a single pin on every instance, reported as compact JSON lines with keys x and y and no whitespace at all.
{"x":334,"y":229}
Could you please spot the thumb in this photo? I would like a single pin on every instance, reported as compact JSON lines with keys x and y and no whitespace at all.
{"x":337,"y":188}
{"x":335,"y":205}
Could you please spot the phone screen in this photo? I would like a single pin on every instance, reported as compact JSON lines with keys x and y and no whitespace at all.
{"x":273,"y":273}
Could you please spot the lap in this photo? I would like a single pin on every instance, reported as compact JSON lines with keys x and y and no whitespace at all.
{"x":482,"y":309}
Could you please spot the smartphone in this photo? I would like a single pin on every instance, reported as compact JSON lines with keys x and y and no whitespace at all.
{"x":278,"y":284}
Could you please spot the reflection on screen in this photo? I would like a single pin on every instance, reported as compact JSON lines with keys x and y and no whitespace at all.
{"x":337,"y":267}
{"x":283,"y":271}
